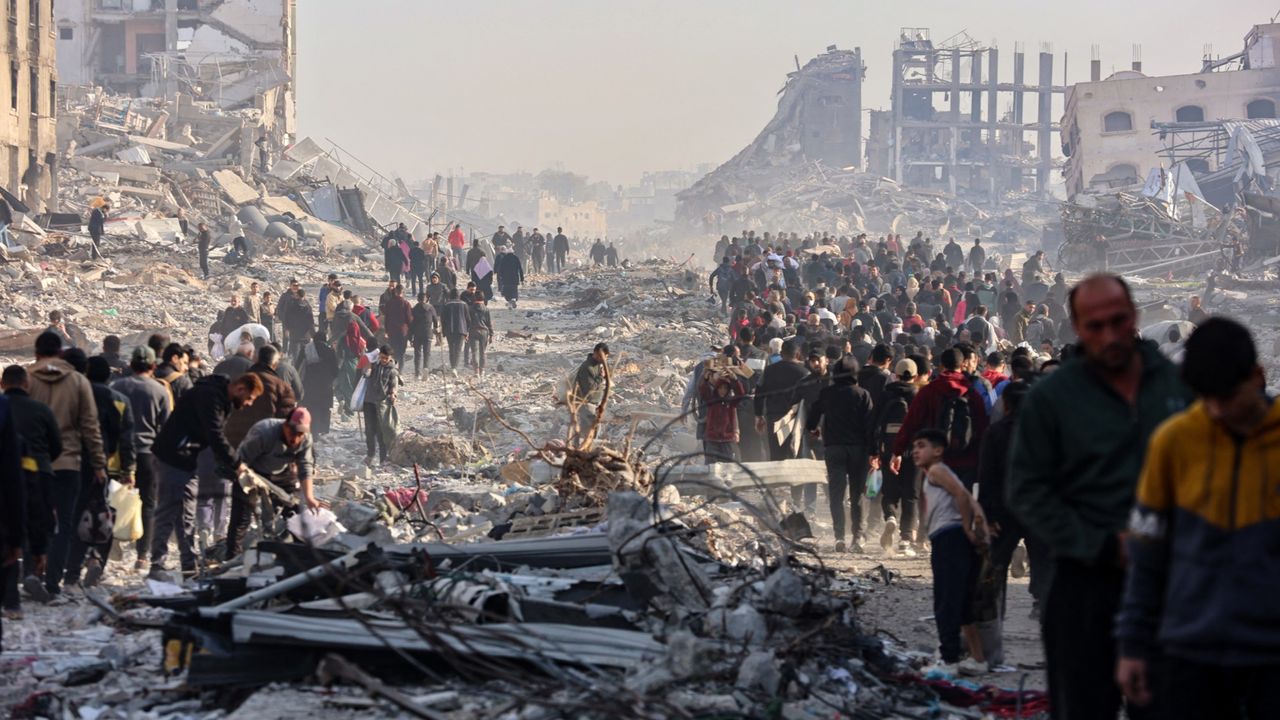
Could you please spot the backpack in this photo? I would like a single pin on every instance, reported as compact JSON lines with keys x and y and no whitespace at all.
{"x":895,"y":412}
{"x":977,"y":330}
{"x":955,"y":422}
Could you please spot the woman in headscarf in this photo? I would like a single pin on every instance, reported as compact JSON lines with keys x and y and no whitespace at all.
{"x":318,"y":365}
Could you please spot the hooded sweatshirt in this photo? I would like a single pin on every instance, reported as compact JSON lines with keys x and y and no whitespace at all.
{"x":927,"y":408}
{"x":69,"y":395}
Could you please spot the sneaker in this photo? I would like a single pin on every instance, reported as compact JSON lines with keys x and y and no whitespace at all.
{"x":905,"y":549}
{"x":14,"y":614}
{"x":1018,"y":563}
{"x":839,"y":546}
{"x":971,"y":667}
{"x":856,"y":549}
{"x":368,"y":461}
{"x":946,"y":670}
{"x":35,"y":587}
{"x":92,"y":574}
{"x":159,"y":574}
{"x":888,"y":533}
{"x":1002,"y":669}
{"x":140,"y":565}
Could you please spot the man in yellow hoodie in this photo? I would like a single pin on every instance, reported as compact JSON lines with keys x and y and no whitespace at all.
{"x":1204,"y":544}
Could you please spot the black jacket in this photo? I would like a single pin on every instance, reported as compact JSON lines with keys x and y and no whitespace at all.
{"x":37,"y":427}
{"x":198,"y":421}
{"x":846,"y":414}
{"x":993,"y":467}
{"x":115,"y":419}
{"x":13,"y":502}
{"x":508,"y":269}
{"x":454,"y":318}
{"x":423,"y":323}
{"x":873,"y":380}
{"x":97,"y":222}
{"x":775,"y":394}
{"x":892,"y":391}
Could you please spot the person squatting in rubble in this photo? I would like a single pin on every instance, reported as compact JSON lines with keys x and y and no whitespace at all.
{"x":279,"y":450}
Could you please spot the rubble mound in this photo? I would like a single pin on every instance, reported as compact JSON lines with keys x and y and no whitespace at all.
{"x":432,"y":452}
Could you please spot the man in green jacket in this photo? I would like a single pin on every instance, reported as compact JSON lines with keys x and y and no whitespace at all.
{"x":1077,"y":452}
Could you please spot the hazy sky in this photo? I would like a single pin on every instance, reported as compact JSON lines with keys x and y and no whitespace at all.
{"x":612,"y":89}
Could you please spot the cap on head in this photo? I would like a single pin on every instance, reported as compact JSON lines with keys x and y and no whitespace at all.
{"x":906,"y":367}
{"x":143,"y":354}
{"x":300,"y":420}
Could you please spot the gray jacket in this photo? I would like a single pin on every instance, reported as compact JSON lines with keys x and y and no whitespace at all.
{"x":150,"y":406}
{"x":263,"y":449}
{"x":381,"y":384}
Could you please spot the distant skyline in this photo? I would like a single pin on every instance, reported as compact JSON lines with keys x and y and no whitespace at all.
{"x":608,"y":90}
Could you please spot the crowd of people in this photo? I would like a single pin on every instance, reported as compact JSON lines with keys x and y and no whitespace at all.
{"x":989,"y":410}
{"x":998,"y":410}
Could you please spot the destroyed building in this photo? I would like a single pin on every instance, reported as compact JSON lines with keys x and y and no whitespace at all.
{"x":948,"y":128}
{"x":818,"y":121}
{"x":28,"y":166}
{"x":1107,"y":126}
{"x":234,"y":53}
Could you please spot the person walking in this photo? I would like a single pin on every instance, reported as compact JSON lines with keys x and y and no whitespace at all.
{"x":843,"y":417}
{"x":151,"y":404}
{"x":560,"y":250}
{"x":774,"y":401}
{"x":69,"y":395}
{"x":395,"y":319}
{"x":12,"y":496}
{"x":42,"y":444}
{"x":424,"y":325}
{"x":381,"y":421}
{"x":537,"y":250}
{"x":115,"y":422}
{"x":458,"y":244}
{"x":510,"y":273}
{"x":1077,"y":451}
{"x":318,"y":364}
{"x":455,"y":323}
{"x":1204,"y":545}
{"x":479,"y":334}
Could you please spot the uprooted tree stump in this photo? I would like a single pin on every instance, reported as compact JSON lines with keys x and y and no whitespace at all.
{"x":587,"y":477}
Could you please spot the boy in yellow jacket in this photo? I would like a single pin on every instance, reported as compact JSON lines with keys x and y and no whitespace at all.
{"x":1203,"y":589}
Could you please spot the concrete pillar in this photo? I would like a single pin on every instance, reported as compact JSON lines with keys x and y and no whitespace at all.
{"x":895,"y":101}
{"x":956,"y":117}
{"x":1019,"y":97}
{"x":857,"y":110}
{"x":1043,"y":122}
{"x":993,"y":154}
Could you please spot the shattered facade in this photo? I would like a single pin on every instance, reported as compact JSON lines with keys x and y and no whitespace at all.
{"x":970,"y":142}
{"x":28,"y":163}
{"x":818,"y":122}
{"x":584,"y":219}
{"x":1107,"y":126}
{"x":235,"y":53}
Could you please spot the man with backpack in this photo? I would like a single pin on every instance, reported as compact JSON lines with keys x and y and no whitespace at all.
{"x":898,"y":485}
{"x":948,"y":403}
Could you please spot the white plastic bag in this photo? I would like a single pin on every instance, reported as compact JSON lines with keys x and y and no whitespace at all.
{"x":874,"y":480}
{"x":357,"y":397}
{"x":128,"y":507}
{"x":315,"y":527}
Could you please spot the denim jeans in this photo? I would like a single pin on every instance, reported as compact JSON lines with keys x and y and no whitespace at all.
{"x":175,"y":513}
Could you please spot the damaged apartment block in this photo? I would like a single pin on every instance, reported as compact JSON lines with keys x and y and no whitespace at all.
{"x":236,"y":54}
{"x":976,"y":137}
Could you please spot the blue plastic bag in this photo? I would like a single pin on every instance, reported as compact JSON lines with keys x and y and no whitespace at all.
{"x":874,"y":480}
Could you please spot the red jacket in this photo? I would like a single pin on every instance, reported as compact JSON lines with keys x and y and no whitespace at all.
{"x":994,"y":377}
{"x":396,"y":317}
{"x":722,"y":412}
{"x":925,"y":409}
{"x":457,"y":239}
